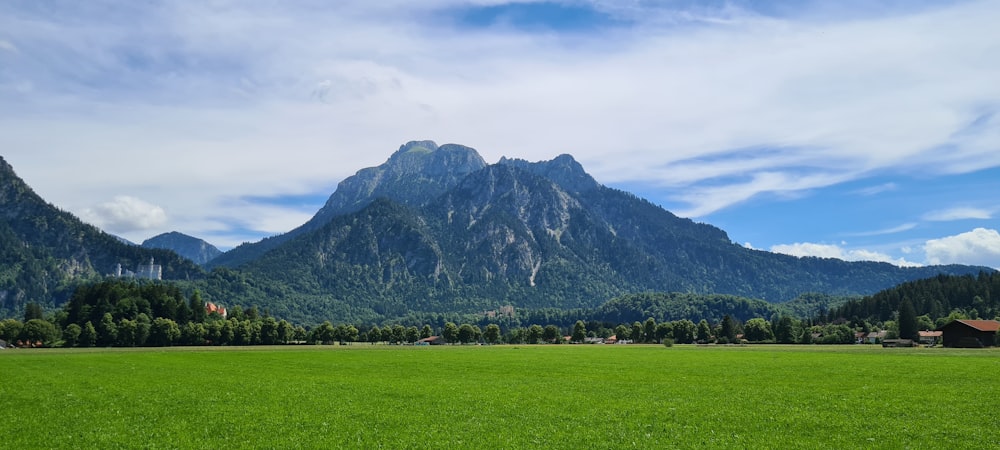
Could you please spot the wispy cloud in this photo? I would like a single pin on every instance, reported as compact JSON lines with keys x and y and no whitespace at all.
{"x":958,"y":213}
{"x":879,"y":189}
{"x":893,"y":230}
{"x":193,"y":103}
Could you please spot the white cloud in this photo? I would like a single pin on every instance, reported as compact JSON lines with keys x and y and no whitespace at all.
{"x":208,"y":101}
{"x":959,"y":213}
{"x":874,"y":190}
{"x":7,"y":46}
{"x":893,"y":230}
{"x":805,"y":249}
{"x":125,"y":214}
{"x":980,"y":246}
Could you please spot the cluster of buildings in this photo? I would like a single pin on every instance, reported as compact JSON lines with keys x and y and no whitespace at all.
{"x":504,"y":311}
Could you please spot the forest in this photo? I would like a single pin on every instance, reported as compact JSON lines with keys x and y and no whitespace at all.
{"x":132,"y":313}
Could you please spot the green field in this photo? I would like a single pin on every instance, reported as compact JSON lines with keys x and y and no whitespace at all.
{"x":572,"y":397}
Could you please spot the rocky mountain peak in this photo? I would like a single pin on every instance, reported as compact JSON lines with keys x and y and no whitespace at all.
{"x":564,"y":170}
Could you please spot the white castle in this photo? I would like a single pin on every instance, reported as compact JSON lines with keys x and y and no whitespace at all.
{"x":149,"y":271}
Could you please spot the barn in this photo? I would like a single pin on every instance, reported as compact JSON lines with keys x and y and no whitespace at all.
{"x":969,"y":333}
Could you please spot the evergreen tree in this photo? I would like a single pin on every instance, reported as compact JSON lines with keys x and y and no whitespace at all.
{"x":728,"y":328}
{"x":908,"y":325}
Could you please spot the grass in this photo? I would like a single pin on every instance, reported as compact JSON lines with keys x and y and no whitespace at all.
{"x":501,"y":397}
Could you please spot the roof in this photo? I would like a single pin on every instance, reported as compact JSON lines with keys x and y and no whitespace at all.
{"x":989,"y":326}
{"x":930,"y":333}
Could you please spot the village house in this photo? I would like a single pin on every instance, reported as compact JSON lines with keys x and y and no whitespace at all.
{"x":930,"y":338}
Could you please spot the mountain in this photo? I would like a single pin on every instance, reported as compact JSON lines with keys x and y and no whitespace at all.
{"x":436,"y":230}
{"x":415,"y":174}
{"x":44,"y":251}
{"x":189,"y":247}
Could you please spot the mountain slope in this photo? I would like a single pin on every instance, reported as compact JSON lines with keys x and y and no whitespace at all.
{"x":44,"y":251}
{"x":190,"y":247}
{"x":534,"y":235}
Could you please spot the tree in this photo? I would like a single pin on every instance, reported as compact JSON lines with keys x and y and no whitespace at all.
{"x":350,"y":333}
{"x":374,"y":334}
{"x":398,"y":333}
{"x":465,"y":333}
{"x":551,"y":333}
{"x":492,"y":333}
{"x":10,"y":329}
{"x":33,"y":311}
{"x":71,"y":335}
{"x":426,"y":332}
{"x":757,"y":330}
{"x":40,"y":330}
{"x":784,"y":330}
{"x":285,"y":331}
{"x":193,"y":333}
{"x":649,"y":330}
{"x":704,"y":331}
{"x":621,"y":333}
{"x":579,"y":332}
{"x":164,"y":332}
{"x":88,"y":335}
{"x":269,"y":331}
{"x":908,"y":326}
{"x":534,"y":334}
{"x":107,"y":331}
{"x":636,"y":332}
{"x":663,"y":330}
{"x":323,"y":334}
{"x":450,"y":333}
{"x":197,"y":307}
{"x":412,"y":334}
{"x":127,"y":330}
{"x":684,"y":331}
{"x":728,"y":329}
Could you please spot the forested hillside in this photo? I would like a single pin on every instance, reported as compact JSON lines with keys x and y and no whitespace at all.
{"x":45,"y":252}
{"x":967,"y":296}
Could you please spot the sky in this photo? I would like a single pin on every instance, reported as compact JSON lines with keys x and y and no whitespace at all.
{"x":855,"y":129}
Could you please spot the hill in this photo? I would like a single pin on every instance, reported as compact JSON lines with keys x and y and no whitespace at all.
{"x":45,"y":252}
{"x":190,"y":247}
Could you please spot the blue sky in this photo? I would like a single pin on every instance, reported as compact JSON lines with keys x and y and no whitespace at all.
{"x":852,"y":129}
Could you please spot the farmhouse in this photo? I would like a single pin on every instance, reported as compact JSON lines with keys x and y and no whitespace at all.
{"x":433,"y":340}
{"x":930,"y":337}
{"x":969,"y":333}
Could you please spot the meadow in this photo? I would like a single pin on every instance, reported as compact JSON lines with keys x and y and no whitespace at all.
{"x":547,"y":396}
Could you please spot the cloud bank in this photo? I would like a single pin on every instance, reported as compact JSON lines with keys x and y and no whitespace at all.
{"x":196,"y":106}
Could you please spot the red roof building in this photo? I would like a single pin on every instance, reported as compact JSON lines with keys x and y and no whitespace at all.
{"x":969,"y":333}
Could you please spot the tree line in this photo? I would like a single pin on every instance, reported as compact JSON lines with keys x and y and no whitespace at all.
{"x":130,"y":313}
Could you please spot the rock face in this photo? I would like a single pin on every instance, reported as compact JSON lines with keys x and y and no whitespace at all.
{"x":190,"y":247}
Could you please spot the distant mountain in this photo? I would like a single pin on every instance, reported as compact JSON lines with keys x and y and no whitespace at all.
{"x":190,"y":247}
{"x":44,"y":251}
{"x":436,"y":230}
